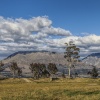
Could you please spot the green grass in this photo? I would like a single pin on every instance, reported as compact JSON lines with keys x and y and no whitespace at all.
{"x":44,"y":89}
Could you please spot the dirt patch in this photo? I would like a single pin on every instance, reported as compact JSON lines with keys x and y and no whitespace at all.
{"x":27,"y":80}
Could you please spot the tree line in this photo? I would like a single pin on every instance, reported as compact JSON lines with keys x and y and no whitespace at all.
{"x":38,"y":70}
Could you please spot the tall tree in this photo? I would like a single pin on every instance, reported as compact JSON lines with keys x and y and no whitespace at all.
{"x":19,"y":72}
{"x":34,"y":67}
{"x":52,"y":68}
{"x":15,"y":69}
{"x":94,"y":72}
{"x":1,"y":68}
{"x":38,"y":70}
{"x":72,"y":55}
{"x":43,"y":71}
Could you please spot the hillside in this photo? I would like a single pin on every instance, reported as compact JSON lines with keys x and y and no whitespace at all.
{"x":26,"y":57}
{"x":92,"y":59}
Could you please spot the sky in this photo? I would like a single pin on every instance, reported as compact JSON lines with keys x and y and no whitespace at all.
{"x":27,"y":25}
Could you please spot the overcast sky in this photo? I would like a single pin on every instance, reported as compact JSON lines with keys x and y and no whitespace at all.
{"x":47,"y":24}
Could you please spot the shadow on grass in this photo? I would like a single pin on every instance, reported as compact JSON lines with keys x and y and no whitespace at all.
{"x":3,"y":78}
{"x":74,"y":93}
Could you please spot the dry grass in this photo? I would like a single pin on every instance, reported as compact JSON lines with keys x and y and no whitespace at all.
{"x":44,"y":89}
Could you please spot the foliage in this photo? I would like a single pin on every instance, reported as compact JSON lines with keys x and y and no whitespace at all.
{"x":1,"y":64}
{"x":15,"y":69}
{"x":38,"y":70}
{"x":63,"y":74}
{"x":72,"y":55}
{"x":35,"y":70}
{"x":94,"y":72}
{"x":52,"y":68}
{"x":19,"y":72}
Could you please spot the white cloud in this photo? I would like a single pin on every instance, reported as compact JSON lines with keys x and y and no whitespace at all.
{"x":88,"y":44}
{"x":27,"y":34}
{"x":36,"y":34}
{"x":23,"y":29}
{"x":55,"y":31}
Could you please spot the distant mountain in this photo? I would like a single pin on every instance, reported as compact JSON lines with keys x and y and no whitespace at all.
{"x":23,"y":52}
{"x":93,"y":55}
{"x":92,"y":59}
{"x":27,"y":57}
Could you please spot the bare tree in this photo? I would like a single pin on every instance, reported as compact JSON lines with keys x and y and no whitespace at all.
{"x":72,"y":55}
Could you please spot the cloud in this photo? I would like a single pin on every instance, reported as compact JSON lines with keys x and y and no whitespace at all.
{"x":87,"y":44}
{"x":27,"y":34}
{"x":19,"y":29}
{"x":23,"y":29}
{"x":37,"y":33}
{"x":56,"y":31}
{"x":85,"y":34}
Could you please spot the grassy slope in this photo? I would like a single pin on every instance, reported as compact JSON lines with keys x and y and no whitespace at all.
{"x":43,"y":89}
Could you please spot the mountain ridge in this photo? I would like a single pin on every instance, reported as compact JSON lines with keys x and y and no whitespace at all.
{"x":28,"y":57}
{"x":24,"y":60}
{"x":48,"y":56}
{"x":25,"y":52}
{"x":93,"y":55}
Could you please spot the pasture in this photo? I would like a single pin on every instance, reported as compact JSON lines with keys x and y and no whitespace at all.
{"x":44,"y":89}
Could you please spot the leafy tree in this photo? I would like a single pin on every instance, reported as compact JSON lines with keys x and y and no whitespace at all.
{"x":72,"y":55}
{"x":43,"y":71}
{"x":76,"y":74}
{"x":15,"y":69}
{"x":19,"y":72}
{"x":35,"y":70}
{"x":94,"y":72}
{"x":52,"y":68}
{"x":1,"y":64}
{"x":38,"y":70}
{"x":63,"y":74}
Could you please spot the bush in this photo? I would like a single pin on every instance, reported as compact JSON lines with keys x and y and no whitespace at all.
{"x":94,"y":72}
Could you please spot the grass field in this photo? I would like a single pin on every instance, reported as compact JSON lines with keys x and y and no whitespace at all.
{"x":44,"y":89}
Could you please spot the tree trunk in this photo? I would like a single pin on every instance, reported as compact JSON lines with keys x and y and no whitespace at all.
{"x":13,"y":74}
{"x":69,"y":72}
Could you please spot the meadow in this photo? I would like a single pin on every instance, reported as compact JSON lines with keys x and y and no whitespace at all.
{"x":44,"y":89}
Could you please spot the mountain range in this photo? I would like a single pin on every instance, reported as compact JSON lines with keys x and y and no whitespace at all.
{"x":92,"y":59}
{"x":25,"y":58}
